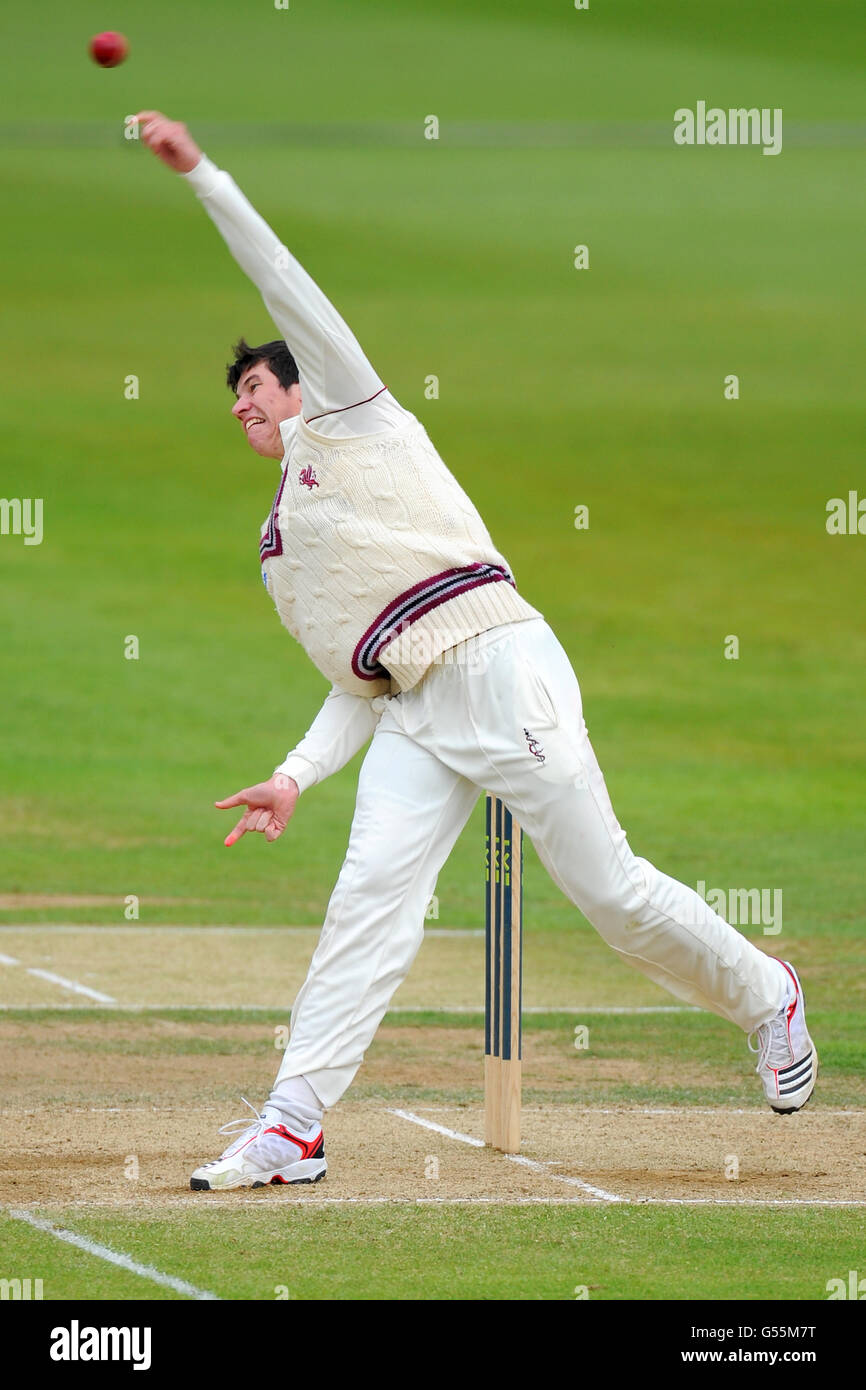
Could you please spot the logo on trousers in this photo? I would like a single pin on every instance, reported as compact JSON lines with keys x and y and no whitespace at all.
{"x":535,"y":747}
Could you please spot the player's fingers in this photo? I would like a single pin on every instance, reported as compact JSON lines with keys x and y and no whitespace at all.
{"x":152,"y":126}
{"x":155,"y":120}
{"x":275,"y":829}
{"x":161,"y":134}
{"x":239,"y":799}
{"x":259,"y":820}
{"x":159,"y":139}
{"x":240,"y":829}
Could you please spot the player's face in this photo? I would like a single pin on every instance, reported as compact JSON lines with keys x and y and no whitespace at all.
{"x":261,"y":405}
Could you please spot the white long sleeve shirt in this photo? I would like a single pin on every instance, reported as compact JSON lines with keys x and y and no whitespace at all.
{"x":341,"y":390}
{"x":334,"y":372}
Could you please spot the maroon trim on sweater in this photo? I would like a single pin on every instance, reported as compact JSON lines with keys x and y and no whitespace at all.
{"x":271,"y":542}
{"x":411,"y":605}
{"x":339,"y":409}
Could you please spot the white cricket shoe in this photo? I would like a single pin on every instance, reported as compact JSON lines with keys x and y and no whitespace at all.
{"x":787,"y":1060}
{"x":263,"y":1152}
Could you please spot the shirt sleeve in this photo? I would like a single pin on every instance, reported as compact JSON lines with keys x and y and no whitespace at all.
{"x":342,"y":726}
{"x":335,"y":374}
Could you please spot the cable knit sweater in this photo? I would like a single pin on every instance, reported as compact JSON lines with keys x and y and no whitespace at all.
{"x":375,"y":558}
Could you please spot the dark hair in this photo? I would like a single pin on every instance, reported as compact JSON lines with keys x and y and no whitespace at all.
{"x":276,"y":355}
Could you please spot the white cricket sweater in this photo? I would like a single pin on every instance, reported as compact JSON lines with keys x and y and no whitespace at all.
{"x":375,"y":558}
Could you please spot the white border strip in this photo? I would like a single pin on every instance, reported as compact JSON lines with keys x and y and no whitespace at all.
{"x":114,"y":1257}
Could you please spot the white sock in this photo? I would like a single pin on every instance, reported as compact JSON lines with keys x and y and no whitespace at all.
{"x":295,"y":1104}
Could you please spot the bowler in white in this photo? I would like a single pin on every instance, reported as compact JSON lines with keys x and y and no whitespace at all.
{"x":381,"y":568}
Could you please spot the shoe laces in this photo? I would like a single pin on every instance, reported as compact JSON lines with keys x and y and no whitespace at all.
{"x":239,"y":1127}
{"x":773,"y":1045}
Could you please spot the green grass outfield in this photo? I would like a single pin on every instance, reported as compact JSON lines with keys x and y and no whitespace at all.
{"x":557,"y":387}
{"x":424,"y":1252}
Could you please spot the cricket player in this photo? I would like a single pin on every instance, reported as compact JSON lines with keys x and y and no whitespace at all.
{"x":382,"y":569}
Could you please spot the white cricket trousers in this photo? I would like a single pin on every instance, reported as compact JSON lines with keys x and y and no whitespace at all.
{"x":503,"y":714}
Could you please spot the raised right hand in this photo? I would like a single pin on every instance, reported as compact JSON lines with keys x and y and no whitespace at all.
{"x":170,"y":141}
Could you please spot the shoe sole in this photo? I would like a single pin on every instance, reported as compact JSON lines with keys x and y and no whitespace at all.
{"x":276,"y":1180}
{"x":202,"y":1185}
{"x":289,"y":1182}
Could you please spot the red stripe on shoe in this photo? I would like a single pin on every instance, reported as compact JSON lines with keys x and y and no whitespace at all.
{"x":308,"y":1147}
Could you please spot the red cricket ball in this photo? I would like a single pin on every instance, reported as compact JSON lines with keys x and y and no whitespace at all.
{"x":108,"y":49}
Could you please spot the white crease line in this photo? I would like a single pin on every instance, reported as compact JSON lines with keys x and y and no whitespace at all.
{"x":621,"y":1009}
{"x":525,"y":1162}
{"x":598,"y":1194}
{"x":233,"y":1008}
{"x":56,"y":980}
{"x":149,"y":1008}
{"x":438,"y":1129}
{"x":720,"y":1112}
{"x":855,"y":1112}
{"x":469,"y":1009}
{"x":746,"y":1202}
{"x":114,"y":1110}
{"x":537,"y":1167}
{"x":102,"y":1252}
{"x":130,"y":929}
{"x":71,"y":985}
{"x":550,"y":1009}
{"x":624,"y":1111}
{"x":269,"y":1199}
{"x":457,"y":933}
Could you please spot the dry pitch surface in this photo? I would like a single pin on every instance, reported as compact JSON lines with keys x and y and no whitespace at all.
{"x":85,"y":1096}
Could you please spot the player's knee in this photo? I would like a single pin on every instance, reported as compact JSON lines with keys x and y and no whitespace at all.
{"x":615,"y":909}
{"x":386,"y":884}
